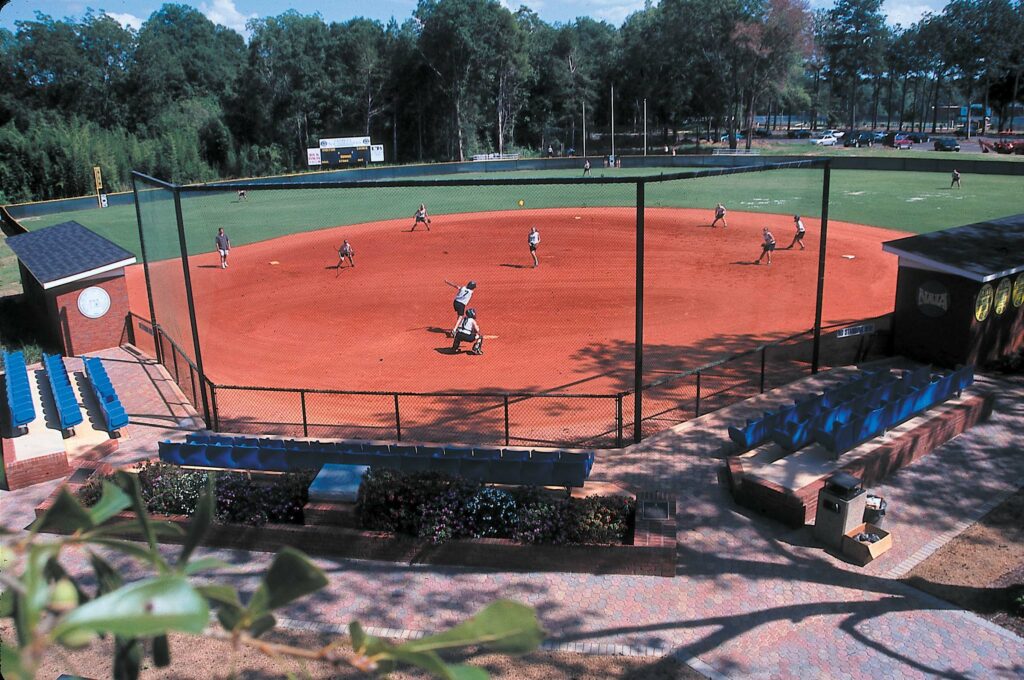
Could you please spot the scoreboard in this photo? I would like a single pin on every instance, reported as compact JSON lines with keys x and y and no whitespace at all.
{"x":345,"y":152}
{"x":345,"y":156}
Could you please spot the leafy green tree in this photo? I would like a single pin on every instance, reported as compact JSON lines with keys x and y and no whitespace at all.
{"x":853,"y":42}
{"x":181,"y":55}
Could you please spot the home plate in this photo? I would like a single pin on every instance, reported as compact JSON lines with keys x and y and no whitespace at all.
{"x":274,"y":262}
{"x":578,"y":217}
{"x":490,"y":337}
{"x":849,"y":257}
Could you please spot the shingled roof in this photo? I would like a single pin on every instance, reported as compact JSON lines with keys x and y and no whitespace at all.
{"x":983,"y":252}
{"x":67,"y":252}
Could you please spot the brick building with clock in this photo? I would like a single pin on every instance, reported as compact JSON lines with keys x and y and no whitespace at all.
{"x":73,"y":281}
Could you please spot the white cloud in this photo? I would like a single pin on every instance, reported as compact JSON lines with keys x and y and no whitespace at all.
{"x":126,"y":20}
{"x":906,"y":13}
{"x":225,"y":13}
{"x":613,"y":11}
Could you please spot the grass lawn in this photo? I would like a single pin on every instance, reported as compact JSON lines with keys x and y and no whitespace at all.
{"x":907,"y":201}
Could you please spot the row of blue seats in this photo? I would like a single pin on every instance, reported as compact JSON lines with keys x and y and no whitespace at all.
{"x":759,"y":430}
{"x":110,"y":404}
{"x":913,"y":394}
{"x":845,"y":434}
{"x":19,"y":393}
{"x":69,"y":413}
{"x":491,"y":465}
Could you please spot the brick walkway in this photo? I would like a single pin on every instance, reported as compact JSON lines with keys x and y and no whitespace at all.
{"x":753,"y":599}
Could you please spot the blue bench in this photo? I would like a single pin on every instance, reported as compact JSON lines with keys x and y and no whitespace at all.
{"x":110,"y":404}
{"x":69,"y":413}
{"x":495,"y":465}
{"x":19,"y":391}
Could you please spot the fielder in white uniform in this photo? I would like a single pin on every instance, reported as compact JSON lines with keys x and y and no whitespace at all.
{"x":534,"y":240}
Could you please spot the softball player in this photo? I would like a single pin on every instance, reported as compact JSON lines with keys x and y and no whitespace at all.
{"x":534,"y":241}
{"x":799,"y":236}
{"x":767,"y":247}
{"x":223,"y":244}
{"x":719,"y":215}
{"x":462,"y":297}
{"x":586,"y":168}
{"x":346,"y":251}
{"x":467,"y":330}
{"x":421,"y":216}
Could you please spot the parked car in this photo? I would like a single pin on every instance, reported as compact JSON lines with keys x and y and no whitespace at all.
{"x":879,"y":136}
{"x":823,"y":139}
{"x":919,"y":137}
{"x":1009,"y":146}
{"x":898,"y":140}
{"x":859,"y":139}
{"x":838,"y":134}
{"x":725,"y":137}
{"x":946,"y":144}
{"x":762,"y":133}
{"x":798,"y":134}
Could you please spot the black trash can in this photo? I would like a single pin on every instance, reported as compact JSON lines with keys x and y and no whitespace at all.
{"x":874,"y":510}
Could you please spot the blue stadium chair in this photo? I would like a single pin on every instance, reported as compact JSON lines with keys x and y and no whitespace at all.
{"x":417,"y":461}
{"x":170,"y":452}
{"x":275,"y":460}
{"x":539,"y":469}
{"x":449,"y":461}
{"x":219,"y":455}
{"x":245,"y":458}
{"x":508,"y":469}
{"x":479,"y":466}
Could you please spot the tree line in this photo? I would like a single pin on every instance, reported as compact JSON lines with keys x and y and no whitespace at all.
{"x":185,"y":99}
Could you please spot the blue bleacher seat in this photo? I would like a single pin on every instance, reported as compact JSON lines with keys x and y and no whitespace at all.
{"x":69,"y":414}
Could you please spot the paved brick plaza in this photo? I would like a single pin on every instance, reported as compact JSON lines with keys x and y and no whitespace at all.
{"x":752,"y":598}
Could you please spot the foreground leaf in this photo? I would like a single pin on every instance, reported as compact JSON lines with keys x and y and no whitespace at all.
{"x":502,"y":626}
{"x":200,"y":523}
{"x":10,"y":662}
{"x":112,"y":501}
{"x":65,"y":516}
{"x":291,"y":575}
{"x":142,"y":609}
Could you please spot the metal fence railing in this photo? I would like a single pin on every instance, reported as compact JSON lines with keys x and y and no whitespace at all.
{"x":500,"y":418}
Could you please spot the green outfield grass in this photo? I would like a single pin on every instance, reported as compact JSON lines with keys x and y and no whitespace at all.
{"x":906,"y":201}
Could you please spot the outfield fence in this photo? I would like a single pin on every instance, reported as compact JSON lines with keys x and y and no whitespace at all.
{"x":509,"y":418}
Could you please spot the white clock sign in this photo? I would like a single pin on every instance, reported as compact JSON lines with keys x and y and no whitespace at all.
{"x":93,"y":302}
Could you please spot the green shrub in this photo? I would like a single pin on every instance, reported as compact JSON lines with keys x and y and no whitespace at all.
{"x":441,"y":508}
{"x":600,"y":519}
{"x":492,"y":512}
{"x":391,"y":501}
{"x":170,"y":490}
{"x":542,"y":521}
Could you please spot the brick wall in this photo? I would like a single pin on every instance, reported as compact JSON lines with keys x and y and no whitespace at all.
{"x":81,"y":334}
{"x":22,"y":473}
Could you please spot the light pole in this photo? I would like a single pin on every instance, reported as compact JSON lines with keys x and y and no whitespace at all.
{"x":645,"y":126}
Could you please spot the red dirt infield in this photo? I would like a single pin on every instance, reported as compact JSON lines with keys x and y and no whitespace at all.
{"x":566,"y":326}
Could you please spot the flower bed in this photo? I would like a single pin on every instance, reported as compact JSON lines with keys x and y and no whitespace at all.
{"x":440,"y":508}
{"x":241,"y":499}
{"x":652,"y":553}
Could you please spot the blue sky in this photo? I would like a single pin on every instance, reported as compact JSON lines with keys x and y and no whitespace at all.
{"x":234,"y":13}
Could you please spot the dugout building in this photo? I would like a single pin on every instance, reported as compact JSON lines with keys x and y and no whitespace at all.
{"x":73,"y":281}
{"x":960,"y":293}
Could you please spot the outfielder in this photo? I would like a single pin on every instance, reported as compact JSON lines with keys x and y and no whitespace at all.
{"x":345,"y":250}
{"x":719,"y":215}
{"x":956,"y":180}
{"x":223,"y":244}
{"x":467,"y":330}
{"x":421,"y":216}
{"x":586,"y":168}
{"x":799,"y":236}
{"x":534,"y":241}
{"x":242,"y":196}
